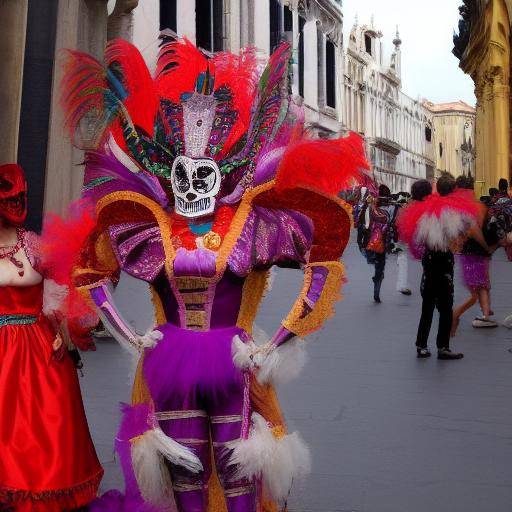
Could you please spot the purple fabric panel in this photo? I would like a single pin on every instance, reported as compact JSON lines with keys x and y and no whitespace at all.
{"x":138,"y":248}
{"x":317,"y":284}
{"x":105,"y":164}
{"x":226,"y":304}
{"x":98,"y":295}
{"x":282,"y":336}
{"x":187,"y":361}
{"x":199,"y":263}
{"x":475,"y":271}
{"x":234,"y":197}
{"x":267,"y":166}
{"x":271,"y":237}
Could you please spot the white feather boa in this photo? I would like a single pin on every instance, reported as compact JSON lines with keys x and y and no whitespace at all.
{"x":437,"y":233}
{"x":277,"y":462}
{"x":54,"y":296}
{"x":149,"y":452}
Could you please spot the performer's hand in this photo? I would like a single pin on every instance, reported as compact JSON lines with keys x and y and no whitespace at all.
{"x":57,"y":343}
{"x":149,"y":340}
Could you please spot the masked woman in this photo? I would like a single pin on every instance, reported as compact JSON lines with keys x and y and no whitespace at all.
{"x":47,"y":459}
{"x":203,"y":181}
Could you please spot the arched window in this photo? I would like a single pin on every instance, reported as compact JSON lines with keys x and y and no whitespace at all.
{"x":441,"y":150}
{"x":368,"y":44}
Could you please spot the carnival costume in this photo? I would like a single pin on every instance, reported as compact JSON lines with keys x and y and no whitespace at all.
{"x":47,"y":459}
{"x":203,"y":181}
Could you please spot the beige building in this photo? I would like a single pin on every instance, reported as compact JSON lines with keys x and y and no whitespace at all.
{"x":32,"y":35}
{"x":454,"y":137}
{"x":397,"y":128}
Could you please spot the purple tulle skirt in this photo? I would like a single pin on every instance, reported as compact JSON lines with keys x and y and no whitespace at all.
{"x":475,"y":271}
{"x":186,"y":363}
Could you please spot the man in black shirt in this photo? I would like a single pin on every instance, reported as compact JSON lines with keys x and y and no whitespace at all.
{"x":437,"y":292}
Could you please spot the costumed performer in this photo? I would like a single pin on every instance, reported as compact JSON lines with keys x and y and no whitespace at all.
{"x":47,"y":459}
{"x":203,"y":181}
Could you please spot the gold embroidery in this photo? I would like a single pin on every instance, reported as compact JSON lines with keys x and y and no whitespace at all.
{"x":279,"y":431}
{"x":192,"y":283}
{"x":195,"y":319}
{"x":194,"y":297}
{"x":324,"y":306}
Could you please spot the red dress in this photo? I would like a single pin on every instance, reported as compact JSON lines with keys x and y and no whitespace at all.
{"x":47,"y":459}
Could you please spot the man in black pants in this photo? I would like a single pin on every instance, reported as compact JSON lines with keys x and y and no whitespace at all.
{"x":437,"y":292}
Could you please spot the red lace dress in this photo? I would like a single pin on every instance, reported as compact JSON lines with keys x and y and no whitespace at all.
{"x":47,"y":459}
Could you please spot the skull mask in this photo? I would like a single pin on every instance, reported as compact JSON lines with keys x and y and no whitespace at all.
{"x":13,"y":194}
{"x":195,"y":183}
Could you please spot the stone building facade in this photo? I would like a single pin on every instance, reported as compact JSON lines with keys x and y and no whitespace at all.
{"x":32,"y":35}
{"x":398,"y":129}
{"x":483,"y":48}
{"x":454,"y":137}
{"x":313,"y":27}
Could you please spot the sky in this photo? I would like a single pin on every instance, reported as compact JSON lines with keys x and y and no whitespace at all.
{"x":429,"y":70}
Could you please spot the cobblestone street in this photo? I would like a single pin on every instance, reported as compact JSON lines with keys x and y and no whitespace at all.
{"x":388,"y":432}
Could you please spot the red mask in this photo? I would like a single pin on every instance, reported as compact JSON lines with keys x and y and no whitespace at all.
{"x":13,"y":194}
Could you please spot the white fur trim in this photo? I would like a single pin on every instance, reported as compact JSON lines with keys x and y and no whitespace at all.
{"x":150,"y":339}
{"x":53,"y":297}
{"x":437,"y":233}
{"x":278,"y":462}
{"x":284,"y":363}
{"x":148,"y":454}
{"x":241,"y":353}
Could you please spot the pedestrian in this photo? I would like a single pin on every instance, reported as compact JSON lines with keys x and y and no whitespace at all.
{"x":375,"y":234}
{"x":47,"y":459}
{"x":474,"y":259}
{"x":430,"y":227}
{"x":502,"y":190}
{"x":402,"y":261}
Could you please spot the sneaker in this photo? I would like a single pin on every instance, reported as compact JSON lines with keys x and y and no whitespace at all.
{"x":447,"y":354}
{"x":406,"y":291}
{"x":482,"y":321}
{"x":422,"y":353}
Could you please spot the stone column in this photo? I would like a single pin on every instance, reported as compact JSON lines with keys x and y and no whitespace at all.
{"x":80,"y":25}
{"x":120,"y":22}
{"x":13,"y":16}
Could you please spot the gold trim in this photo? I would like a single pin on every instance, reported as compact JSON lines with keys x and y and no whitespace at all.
{"x":253,"y":291}
{"x":324,"y":306}
{"x":195,"y":297}
{"x":195,"y":319}
{"x":234,"y":418}
{"x":192,"y":283}
{"x":240,"y":491}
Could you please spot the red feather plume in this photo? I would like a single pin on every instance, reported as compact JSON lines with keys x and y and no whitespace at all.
{"x":142,"y":100}
{"x":61,"y":243}
{"x":325,"y":166}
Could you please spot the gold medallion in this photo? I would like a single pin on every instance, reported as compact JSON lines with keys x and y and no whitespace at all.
{"x":212,"y":241}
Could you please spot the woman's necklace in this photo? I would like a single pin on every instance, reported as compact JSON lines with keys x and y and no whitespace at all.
{"x":10,"y":251}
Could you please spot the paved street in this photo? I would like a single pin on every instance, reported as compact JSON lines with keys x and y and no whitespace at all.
{"x":388,"y":432}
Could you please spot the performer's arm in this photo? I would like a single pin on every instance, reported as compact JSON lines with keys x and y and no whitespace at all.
{"x":117,"y":325}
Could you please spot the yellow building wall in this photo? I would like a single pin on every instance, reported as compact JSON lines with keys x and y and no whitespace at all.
{"x":487,"y":60}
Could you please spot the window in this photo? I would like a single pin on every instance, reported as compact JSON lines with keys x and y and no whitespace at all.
{"x":209,"y":31}
{"x":302,"y":22}
{"x":368,"y":44}
{"x":330,"y":74}
{"x":288,"y":20}
{"x":441,"y":149}
{"x":168,"y":15}
{"x":428,"y":133}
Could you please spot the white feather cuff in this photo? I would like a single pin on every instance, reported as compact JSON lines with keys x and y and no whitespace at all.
{"x":278,"y":462}
{"x":148,"y":454}
{"x":284,"y":363}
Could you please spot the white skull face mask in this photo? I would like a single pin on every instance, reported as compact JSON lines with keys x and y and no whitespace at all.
{"x":195,"y":183}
